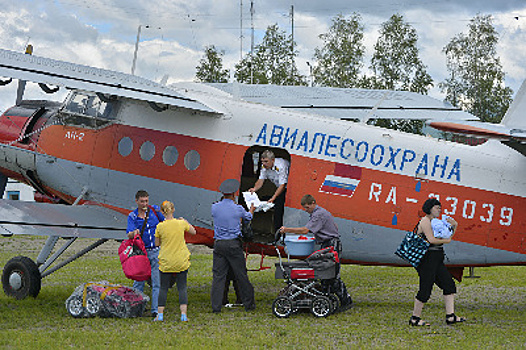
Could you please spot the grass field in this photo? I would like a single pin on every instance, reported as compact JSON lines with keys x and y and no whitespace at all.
{"x":495,"y":305}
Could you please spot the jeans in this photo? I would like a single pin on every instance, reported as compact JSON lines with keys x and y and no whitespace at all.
{"x":153,"y":256}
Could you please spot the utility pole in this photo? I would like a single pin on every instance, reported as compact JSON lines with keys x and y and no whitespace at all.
{"x":136,"y":49}
{"x":252,"y":42}
{"x":292,"y":41}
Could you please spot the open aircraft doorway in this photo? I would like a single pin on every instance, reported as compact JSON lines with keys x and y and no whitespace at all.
{"x":263,"y":222}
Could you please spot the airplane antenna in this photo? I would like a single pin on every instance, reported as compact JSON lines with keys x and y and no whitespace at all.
{"x":240,"y":29}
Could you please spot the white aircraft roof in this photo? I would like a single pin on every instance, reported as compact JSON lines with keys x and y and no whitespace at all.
{"x":75,"y":76}
{"x":344,"y":103}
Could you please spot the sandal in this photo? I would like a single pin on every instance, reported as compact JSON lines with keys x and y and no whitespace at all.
{"x":415,"y":321}
{"x":455,"y":319}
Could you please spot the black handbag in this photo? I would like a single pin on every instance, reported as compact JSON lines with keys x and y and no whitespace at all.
{"x":413,"y":247}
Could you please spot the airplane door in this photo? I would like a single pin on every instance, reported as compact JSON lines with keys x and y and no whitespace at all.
{"x":100,"y":164}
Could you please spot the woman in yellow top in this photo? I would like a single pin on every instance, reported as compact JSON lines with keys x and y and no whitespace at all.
{"x":174,"y":258}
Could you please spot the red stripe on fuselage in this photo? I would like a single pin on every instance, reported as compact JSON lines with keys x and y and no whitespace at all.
{"x":483,"y":216}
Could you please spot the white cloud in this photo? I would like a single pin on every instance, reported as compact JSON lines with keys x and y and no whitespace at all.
{"x":102,"y":33}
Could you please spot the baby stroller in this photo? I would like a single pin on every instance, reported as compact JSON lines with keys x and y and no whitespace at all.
{"x":306,"y":283}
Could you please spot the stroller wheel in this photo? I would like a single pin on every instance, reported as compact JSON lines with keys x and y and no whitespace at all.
{"x":335,"y":303}
{"x":282,"y":307}
{"x":74,"y":306}
{"x":321,"y":306}
{"x":93,"y":305}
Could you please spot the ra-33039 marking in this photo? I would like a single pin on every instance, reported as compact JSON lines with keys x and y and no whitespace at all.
{"x":469,"y":209}
{"x":74,"y":135}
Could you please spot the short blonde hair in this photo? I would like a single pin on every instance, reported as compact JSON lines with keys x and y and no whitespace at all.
{"x":167,"y":207}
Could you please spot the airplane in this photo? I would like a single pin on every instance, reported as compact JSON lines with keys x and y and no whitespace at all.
{"x":116,"y":133}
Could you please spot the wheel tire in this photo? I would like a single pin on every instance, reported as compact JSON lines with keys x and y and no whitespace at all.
{"x":93,"y":305}
{"x":282,"y":307}
{"x":321,"y":306}
{"x":74,"y":306}
{"x":335,"y":303}
{"x":21,"y":278}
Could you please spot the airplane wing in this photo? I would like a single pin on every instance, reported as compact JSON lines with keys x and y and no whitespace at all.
{"x":73,"y":76}
{"x":84,"y":221}
{"x":347,"y":104}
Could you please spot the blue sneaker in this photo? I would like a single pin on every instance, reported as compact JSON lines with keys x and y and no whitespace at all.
{"x":184,"y":318}
{"x":159,"y":317}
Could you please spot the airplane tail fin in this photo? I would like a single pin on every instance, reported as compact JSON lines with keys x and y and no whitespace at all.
{"x":515,"y":117}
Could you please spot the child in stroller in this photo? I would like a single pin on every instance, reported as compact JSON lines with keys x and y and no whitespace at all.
{"x":307,"y":286}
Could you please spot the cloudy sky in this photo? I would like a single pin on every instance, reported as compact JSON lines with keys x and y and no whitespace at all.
{"x":103,"y":33}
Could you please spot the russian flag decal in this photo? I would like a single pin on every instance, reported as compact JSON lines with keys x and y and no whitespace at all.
{"x":344,"y":180}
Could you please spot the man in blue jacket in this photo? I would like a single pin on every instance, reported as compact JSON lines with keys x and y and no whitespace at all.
{"x":145,"y":219}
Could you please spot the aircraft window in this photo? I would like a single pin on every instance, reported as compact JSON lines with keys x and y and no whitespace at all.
{"x":125,"y":146}
{"x":147,"y":151}
{"x":192,"y":160}
{"x":170,"y":155}
{"x":89,"y":110}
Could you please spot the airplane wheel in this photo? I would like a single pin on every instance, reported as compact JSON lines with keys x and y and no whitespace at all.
{"x":321,"y":306}
{"x":74,"y":306}
{"x":21,"y":278}
{"x":282,"y":307}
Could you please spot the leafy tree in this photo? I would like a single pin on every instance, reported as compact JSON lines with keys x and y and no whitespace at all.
{"x":272,"y":61}
{"x":340,"y":59}
{"x":395,"y":62}
{"x":476,"y":78}
{"x":210,"y":68}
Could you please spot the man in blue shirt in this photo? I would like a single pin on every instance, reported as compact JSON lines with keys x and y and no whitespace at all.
{"x":228,"y":248}
{"x":136,"y":224}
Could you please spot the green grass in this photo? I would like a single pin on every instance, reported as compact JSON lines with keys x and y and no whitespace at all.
{"x":495,"y":305}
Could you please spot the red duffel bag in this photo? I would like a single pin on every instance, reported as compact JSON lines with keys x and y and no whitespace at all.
{"x":134,"y":260}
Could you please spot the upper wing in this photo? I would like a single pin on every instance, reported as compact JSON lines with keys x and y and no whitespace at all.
{"x":86,"y":221}
{"x":344,"y":104}
{"x":74,"y":76}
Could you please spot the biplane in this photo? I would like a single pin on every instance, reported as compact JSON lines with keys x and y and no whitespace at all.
{"x":116,"y":133}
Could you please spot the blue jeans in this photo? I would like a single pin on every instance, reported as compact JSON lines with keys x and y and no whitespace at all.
{"x":153,"y":256}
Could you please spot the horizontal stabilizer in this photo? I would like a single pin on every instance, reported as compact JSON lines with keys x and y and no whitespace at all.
{"x":73,"y":76}
{"x":481,"y":129}
{"x":85,"y":221}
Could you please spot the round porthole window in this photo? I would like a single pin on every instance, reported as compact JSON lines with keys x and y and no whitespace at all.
{"x":170,"y":155}
{"x":192,"y":160}
{"x":147,"y":151}
{"x":125,"y":146}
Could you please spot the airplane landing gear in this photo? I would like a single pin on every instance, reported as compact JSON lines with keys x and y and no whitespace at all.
{"x":21,"y":278}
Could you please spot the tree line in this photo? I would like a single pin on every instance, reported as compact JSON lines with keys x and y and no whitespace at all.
{"x":475,"y":80}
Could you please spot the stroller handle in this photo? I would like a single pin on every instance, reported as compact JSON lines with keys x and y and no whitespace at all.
{"x":279,"y":236}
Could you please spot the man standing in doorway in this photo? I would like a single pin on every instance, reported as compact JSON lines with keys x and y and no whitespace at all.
{"x":277,"y":171}
{"x":322,"y":224}
{"x":144,"y":220}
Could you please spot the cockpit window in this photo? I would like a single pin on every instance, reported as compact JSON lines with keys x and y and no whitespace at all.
{"x":89,"y":110}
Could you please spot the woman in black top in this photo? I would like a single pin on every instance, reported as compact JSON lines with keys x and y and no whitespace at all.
{"x":432,"y":270}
